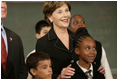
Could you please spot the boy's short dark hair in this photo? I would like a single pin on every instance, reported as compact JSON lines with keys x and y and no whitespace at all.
{"x":40,"y":25}
{"x":34,"y":58}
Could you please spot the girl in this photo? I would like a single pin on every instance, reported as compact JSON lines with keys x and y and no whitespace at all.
{"x":85,"y":48}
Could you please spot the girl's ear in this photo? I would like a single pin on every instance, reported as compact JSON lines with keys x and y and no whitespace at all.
{"x":33,"y":71}
{"x":77,"y":51}
{"x":50,"y":18}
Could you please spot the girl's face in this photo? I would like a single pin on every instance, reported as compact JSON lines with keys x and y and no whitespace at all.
{"x":87,"y":50}
{"x":61,"y":16}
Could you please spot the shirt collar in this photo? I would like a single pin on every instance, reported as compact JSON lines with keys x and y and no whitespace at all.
{"x":83,"y":69}
{"x":3,"y":30}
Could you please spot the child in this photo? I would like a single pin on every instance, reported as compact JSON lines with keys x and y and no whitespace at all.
{"x":85,"y":48}
{"x":41,"y":28}
{"x":39,"y":65}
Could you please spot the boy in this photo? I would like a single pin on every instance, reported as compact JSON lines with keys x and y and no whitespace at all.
{"x":39,"y":65}
{"x":41,"y":28}
{"x":85,"y":48}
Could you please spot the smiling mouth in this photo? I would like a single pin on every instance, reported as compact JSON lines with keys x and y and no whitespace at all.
{"x":3,"y":9}
{"x":65,"y":20}
{"x":92,"y":57}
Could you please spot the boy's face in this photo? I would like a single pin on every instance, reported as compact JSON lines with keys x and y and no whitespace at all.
{"x":77,"y":22}
{"x":87,"y":50}
{"x":43,"y":32}
{"x":44,"y":70}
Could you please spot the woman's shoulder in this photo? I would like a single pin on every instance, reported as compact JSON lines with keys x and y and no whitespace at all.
{"x":43,"y":39}
{"x":41,"y":43}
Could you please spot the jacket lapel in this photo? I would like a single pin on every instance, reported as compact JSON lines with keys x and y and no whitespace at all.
{"x":71,"y":38}
{"x":58,"y":44}
{"x":10,"y":51}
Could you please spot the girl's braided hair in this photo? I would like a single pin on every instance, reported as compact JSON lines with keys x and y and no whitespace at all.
{"x":80,"y":34}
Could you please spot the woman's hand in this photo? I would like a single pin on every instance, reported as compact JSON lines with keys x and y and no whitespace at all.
{"x":101,"y":70}
{"x":66,"y":72}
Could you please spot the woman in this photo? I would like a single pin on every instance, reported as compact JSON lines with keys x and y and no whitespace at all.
{"x":58,"y":43}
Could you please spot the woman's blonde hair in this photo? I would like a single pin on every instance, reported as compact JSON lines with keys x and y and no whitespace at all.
{"x":50,"y":6}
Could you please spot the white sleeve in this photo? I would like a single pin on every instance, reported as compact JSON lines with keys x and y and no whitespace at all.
{"x":29,"y":54}
{"x":105,"y":65}
{"x":29,"y":75}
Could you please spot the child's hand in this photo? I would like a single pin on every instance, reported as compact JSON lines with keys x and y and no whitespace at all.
{"x":67,"y":72}
{"x":101,"y":70}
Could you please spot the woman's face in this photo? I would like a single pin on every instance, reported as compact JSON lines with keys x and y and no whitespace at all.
{"x":61,"y":17}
